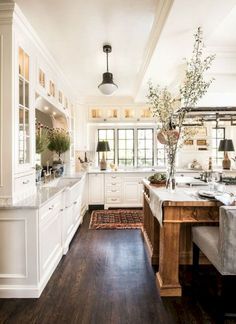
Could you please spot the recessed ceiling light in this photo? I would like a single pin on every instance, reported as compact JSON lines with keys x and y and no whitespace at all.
{"x":46,"y":108}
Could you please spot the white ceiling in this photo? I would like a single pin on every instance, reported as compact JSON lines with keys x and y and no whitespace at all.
{"x":75,"y":31}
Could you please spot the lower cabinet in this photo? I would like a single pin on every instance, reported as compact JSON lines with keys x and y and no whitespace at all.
{"x":96,"y":188}
{"x":116,"y":189}
{"x":33,"y":241}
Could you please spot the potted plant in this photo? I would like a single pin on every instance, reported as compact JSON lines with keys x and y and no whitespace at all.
{"x":59,"y":142}
{"x":171,"y":110}
{"x":41,"y":141}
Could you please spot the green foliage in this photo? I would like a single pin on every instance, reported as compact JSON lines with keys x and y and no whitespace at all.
{"x":42,"y":141}
{"x":59,"y":141}
{"x":171,"y":110}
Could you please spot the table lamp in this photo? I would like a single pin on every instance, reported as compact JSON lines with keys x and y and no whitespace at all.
{"x":103,"y":146}
{"x":226,"y":145}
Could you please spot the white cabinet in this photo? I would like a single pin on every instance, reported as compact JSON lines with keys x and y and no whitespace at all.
{"x":96,"y":189}
{"x":124,"y":189}
{"x":50,"y":241}
{"x":132,"y":190}
{"x":73,"y":213}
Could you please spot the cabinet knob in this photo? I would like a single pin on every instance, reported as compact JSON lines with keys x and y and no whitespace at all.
{"x":75,"y":202}
{"x":25,"y":182}
{"x":50,"y":208}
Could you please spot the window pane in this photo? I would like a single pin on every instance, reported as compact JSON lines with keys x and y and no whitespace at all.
{"x":125,"y":147}
{"x":217,"y":134}
{"x":107,"y":135}
{"x":145,"y":147}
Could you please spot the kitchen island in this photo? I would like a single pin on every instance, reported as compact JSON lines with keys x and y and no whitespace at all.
{"x":169,"y":238}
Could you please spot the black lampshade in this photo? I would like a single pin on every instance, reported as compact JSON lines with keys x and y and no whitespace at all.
{"x":103,"y":146}
{"x":226,"y":145}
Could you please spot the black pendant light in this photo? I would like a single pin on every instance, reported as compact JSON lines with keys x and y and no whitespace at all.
{"x":107,"y":86}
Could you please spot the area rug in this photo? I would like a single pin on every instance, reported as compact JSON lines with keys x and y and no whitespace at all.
{"x":116,"y":219}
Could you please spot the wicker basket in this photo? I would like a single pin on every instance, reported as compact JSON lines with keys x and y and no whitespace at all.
{"x":159,"y":184}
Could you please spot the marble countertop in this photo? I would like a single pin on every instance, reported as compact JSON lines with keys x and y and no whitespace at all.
{"x":44,"y":193}
{"x":141,"y":170}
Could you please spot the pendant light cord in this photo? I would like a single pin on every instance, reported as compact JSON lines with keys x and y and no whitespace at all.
{"x":107,"y":61}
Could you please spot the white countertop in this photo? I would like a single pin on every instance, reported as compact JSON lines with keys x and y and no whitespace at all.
{"x":44,"y":193}
{"x":141,"y":170}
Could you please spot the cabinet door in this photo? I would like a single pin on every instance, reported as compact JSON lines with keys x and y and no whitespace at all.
{"x":132,"y":191}
{"x":24,"y":113}
{"x":96,"y":189}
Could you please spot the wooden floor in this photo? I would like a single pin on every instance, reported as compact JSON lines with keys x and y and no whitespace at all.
{"x":106,"y":278}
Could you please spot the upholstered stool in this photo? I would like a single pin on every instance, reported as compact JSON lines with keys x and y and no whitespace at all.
{"x":218,"y":244}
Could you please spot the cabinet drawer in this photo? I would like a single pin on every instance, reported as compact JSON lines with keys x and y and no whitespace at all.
{"x":25,"y":182}
{"x":204,"y":214}
{"x":113,"y":200}
{"x":113,"y":193}
{"x":50,"y":209}
{"x":113,"y":186}
{"x":113,"y":178}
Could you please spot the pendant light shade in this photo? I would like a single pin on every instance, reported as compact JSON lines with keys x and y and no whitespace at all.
{"x":107,"y":87}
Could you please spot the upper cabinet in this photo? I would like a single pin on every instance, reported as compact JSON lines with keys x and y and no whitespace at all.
{"x":27,"y":72}
{"x":133,"y":113}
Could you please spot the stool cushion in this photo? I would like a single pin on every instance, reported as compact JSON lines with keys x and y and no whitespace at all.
{"x":227,"y":239}
{"x":207,"y":239}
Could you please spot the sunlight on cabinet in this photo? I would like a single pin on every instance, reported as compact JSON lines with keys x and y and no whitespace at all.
{"x":60,"y":96}
{"x":52,"y":90}
{"x":96,"y":113}
{"x":23,"y":114}
{"x":129,"y":113}
{"x":41,"y":78}
{"x":145,"y":113}
{"x":113,"y":114}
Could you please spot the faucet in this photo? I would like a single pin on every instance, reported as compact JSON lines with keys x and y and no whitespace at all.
{"x":48,"y":175}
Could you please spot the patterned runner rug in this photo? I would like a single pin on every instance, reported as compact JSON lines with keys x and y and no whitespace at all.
{"x":116,"y":219}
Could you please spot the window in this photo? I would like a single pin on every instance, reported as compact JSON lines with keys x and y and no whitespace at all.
{"x":108,"y":135}
{"x":217,"y":134}
{"x":145,"y":156}
{"x":126,"y":147}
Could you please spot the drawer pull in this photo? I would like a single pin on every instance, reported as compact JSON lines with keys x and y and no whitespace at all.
{"x":75,"y":202}
{"x":25,"y":182}
{"x":113,"y":199}
{"x":113,"y":183}
{"x":50,"y":208}
{"x":61,"y":209}
{"x":113,"y":190}
{"x":114,"y":177}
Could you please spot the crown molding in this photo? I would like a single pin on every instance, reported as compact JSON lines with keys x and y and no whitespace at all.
{"x":162,"y":11}
{"x":6,"y":13}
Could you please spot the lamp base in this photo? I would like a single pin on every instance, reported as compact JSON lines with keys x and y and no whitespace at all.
{"x":226,"y":163}
{"x":103,"y":164}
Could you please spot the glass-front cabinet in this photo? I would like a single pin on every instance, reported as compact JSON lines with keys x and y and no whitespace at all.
{"x":24,"y":108}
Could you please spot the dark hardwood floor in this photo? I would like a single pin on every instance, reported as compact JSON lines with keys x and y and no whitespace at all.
{"x":106,"y":278}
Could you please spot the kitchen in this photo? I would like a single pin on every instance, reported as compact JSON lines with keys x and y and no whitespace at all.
{"x":47,"y":193}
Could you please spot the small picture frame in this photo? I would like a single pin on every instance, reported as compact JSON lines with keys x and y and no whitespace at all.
{"x":188,"y":142}
{"x":201,"y":142}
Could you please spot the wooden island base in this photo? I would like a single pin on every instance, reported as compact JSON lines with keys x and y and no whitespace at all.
{"x":171,"y":244}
